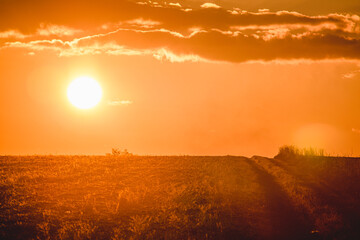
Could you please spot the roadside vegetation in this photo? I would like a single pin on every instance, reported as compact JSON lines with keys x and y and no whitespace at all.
{"x":291,"y":152}
{"x":333,"y":180}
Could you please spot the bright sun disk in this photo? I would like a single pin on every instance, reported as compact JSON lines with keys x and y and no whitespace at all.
{"x":84,"y":92}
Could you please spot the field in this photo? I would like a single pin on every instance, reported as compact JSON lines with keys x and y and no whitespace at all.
{"x":179,"y":197}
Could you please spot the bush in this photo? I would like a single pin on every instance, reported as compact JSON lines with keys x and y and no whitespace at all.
{"x":313,"y":152}
{"x":290,"y":152}
{"x":118,"y":152}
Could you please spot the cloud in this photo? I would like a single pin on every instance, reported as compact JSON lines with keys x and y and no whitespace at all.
{"x":143,"y":23}
{"x":210,"y":5}
{"x":56,"y":30}
{"x":175,"y":4}
{"x":351,"y":75}
{"x":90,"y":15}
{"x":12,"y":34}
{"x":187,"y":10}
{"x":264,"y":10}
{"x":43,"y":30}
{"x":172,"y":34}
{"x":211,"y":45}
{"x":119,"y":102}
{"x":164,"y":54}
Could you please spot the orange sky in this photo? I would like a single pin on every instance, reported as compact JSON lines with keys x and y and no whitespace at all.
{"x":181,"y":77}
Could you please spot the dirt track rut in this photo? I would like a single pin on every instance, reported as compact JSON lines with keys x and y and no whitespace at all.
{"x":283,"y":219}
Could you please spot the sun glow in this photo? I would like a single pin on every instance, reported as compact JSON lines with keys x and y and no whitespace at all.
{"x":84,"y":92}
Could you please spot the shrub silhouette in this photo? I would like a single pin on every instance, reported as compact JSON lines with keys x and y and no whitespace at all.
{"x":292,"y":152}
{"x":287,"y":151}
{"x":118,"y":152}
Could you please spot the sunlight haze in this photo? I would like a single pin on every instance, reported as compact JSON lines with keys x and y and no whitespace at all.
{"x":190,"y":77}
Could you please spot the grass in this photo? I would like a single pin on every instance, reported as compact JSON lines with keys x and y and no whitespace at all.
{"x":88,"y":197}
{"x":292,"y":152}
{"x":178,"y":197}
{"x":326,"y":219}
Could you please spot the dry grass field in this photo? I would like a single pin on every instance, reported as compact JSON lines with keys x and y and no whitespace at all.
{"x":179,"y":197}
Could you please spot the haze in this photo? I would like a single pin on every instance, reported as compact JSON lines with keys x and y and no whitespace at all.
{"x":186,"y":77}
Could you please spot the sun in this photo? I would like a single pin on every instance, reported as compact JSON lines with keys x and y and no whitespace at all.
{"x":84,"y":92}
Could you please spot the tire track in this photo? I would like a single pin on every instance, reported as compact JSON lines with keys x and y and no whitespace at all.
{"x":285,"y":221}
{"x":326,"y":221}
{"x":339,"y":200}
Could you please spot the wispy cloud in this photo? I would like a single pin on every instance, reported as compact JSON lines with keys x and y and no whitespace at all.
{"x":143,"y":23}
{"x":12,"y":34}
{"x":43,"y":30}
{"x":210,"y":5}
{"x":351,"y":75}
{"x":56,"y":30}
{"x":264,"y":10}
{"x":175,"y":4}
{"x":119,"y":102}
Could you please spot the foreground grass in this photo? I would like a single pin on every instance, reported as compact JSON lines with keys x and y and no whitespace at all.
{"x":89,"y":197}
{"x":179,"y":197}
